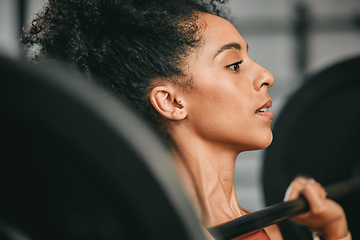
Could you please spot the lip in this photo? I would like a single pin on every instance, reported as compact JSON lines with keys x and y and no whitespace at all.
{"x":267,"y":114}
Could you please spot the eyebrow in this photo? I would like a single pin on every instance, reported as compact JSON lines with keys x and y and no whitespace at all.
{"x":228,"y":46}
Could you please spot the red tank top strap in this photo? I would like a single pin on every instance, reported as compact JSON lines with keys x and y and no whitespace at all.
{"x":256,"y":235}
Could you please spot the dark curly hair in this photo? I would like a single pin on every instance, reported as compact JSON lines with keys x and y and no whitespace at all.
{"x":123,"y":44}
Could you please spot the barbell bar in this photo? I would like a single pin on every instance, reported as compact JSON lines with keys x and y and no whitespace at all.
{"x":280,"y":212}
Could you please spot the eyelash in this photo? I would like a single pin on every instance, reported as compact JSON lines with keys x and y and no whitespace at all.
{"x":235,"y":66}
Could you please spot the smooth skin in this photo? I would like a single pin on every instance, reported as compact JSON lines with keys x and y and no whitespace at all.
{"x":219,"y":118}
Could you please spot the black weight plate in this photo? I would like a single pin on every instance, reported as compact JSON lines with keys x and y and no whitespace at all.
{"x":78,"y":164}
{"x":317,"y":134}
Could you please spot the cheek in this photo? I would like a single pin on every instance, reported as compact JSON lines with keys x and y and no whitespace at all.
{"x":221,"y":102}
{"x":223,"y":110}
{"x":232,"y":122}
{"x":219,"y":113}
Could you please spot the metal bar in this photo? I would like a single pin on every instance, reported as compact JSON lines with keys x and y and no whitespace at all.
{"x":301,"y":26}
{"x":22,"y":8}
{"x":21,"y":15}
{"x":279,"y":212}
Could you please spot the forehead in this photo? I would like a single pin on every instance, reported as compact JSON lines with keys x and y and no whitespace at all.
{"x":218,"y":32}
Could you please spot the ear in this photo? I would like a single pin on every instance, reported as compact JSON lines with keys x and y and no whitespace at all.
{"x":165,"y":101}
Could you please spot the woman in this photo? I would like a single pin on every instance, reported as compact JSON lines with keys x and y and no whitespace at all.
{"x":187,"y":70}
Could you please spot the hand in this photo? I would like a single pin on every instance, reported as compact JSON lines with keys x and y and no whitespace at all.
{"x":325,"y":216}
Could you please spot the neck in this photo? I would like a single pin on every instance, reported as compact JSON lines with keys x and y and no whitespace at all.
{"x":207,"y":173}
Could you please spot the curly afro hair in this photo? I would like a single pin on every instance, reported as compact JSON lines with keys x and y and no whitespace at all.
{"x":123,"y":44}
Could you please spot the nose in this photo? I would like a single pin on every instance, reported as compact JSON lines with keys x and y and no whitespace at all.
{"x":263,"y":78}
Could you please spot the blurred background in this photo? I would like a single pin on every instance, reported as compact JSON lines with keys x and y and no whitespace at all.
{"x":291,"y":38}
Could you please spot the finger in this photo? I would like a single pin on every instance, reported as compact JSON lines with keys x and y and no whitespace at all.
{"x":315,"y":195}
{"x":295,"y":188}
{"x":321,"y":193}
{"x":321,"y":190}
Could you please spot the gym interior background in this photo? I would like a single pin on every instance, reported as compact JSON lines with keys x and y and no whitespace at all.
{"x":291,"y":38}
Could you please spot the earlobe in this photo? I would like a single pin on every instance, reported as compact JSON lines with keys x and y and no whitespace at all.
{"x":164,"y":100}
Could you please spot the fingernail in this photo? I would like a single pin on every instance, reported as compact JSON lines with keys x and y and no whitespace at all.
{"x":311,"y":180}
{"x":301,"y":179}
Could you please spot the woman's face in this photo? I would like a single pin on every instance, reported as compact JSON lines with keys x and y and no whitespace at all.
{"x":229,"y":102}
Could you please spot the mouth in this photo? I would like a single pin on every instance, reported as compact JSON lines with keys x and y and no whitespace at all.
{"x":264,"y":110}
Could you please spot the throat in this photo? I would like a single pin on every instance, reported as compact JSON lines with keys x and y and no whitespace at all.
{"x":210,"y":187}
{"x":219,"y":205}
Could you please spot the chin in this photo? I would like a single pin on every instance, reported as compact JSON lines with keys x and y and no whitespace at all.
{"x":268,"y":141}
{"x":267,"y":144}
{"x":261,"y":143}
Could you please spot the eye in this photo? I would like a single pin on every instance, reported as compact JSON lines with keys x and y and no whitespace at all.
{"x":235,"y":66}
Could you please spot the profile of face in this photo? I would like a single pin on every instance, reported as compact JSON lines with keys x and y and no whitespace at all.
{"x":229,"y":102}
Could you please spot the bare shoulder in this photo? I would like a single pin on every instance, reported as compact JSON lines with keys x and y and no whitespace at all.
{"x":274,"y":232}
